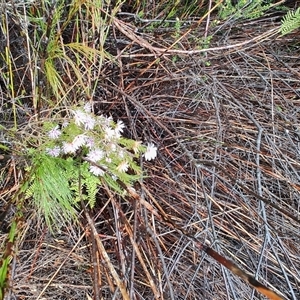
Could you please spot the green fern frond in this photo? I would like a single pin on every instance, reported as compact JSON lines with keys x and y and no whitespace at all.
{"x":92,"y":187}
{"x":290,"y":21}
{"x":49,"y":189}
{"x":91,"y":184}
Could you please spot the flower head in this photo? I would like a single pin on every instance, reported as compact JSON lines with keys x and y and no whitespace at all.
{"x":89,"y":142}
{"x":111,"y":133}
{"x":104,"y":121}
{"x":69,"y":148}
{"x":79,"y":141}
{"x":54,"y":133}
{"x":65,"y":124}
{"x":87,"y":107}
{"x":55,"y":151}
{"x":123,"y":166}
{"x":79,"y":116}
{"x":119,"y":127}
{"x":95,"y":155}
{"x":84,"y":118}
{"x":89,"y":123}
{"x":96,"y":171}
{"x":111,"y":147}
{"x":151,"y":152}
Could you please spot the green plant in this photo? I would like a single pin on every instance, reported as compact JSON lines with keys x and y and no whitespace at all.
{"x":290,"y":21}
{"x":73,"y":157}
{"x":243,"y":9}
{"x":7,"y":257}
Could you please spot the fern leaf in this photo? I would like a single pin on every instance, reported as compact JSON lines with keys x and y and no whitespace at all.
{"x":91,"y":184}
{"x":50,"y":192}
{"x":290,"y":21}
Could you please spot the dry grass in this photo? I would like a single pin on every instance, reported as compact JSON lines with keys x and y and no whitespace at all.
{"x":226,"y":123}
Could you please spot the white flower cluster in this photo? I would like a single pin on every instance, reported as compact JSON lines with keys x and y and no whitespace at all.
{"x":99,"y":140}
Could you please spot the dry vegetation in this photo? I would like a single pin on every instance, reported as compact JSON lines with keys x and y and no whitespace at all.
{"x":226,"y":122}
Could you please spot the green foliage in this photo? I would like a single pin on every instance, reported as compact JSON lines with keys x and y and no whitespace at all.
{"x":49,"y":185}
{"x":73,"y":157}
{"x":243,"y":9}
{"x":3,"y":274}
{"x":290,"y":22}
{"x":6,"y":258}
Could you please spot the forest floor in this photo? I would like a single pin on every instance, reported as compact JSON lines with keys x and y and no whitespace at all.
{"x":223,"y":108}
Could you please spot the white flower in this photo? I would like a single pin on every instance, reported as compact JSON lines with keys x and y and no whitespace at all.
{"x":69,"y":148}
{"x":123,"y":166}
{"x":151,"y":152}
{"x":87,"y":107}
{"x":95,"y":155}
{"x":119,"y":127}
{"x":89,"y":123}
{"x":111,"y":133}
{"x":96,"y":171}
{"x":111,"y":147}
{"x":89,"y":142}
{"x":54,"y":133}
{"x":53,"y":151}
{"x":79,"y":141}
{"x":85,"y":119}
{"x":79,"y":117}
{"x":105,"y":121}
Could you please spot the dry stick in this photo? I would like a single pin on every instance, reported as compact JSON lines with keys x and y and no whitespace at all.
{"x":96,"y":272}
{"x":133,"y":254}
{"x":106,"y":258}
{"x":161,"y":215}
{"x":134,"y":244}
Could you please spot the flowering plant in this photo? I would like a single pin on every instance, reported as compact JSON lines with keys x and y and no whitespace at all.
{"x":83,"y":150}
